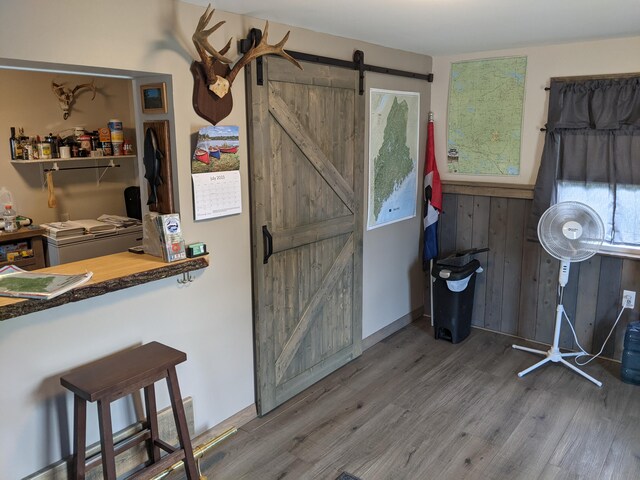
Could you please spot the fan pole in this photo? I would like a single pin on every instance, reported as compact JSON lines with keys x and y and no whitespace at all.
{"x":554,"y":354}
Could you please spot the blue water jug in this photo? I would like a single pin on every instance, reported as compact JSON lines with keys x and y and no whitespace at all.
{"x":630,"y":371}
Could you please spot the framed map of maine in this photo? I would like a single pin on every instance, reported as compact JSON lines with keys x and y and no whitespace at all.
{"x":394,"y":119}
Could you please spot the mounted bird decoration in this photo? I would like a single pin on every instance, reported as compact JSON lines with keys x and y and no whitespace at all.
{"x":213,"y":75}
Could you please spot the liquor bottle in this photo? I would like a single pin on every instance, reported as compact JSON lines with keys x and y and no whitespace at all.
{"x":13,"y":144}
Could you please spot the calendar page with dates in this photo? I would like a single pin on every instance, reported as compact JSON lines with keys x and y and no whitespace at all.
{"x":216,"y":194}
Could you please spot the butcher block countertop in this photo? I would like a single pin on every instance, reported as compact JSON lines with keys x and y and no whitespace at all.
{"x":110,"y":273}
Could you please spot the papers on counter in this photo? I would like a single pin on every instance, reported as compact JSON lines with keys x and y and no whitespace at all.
{"x":63,"y":229}
{"x":15,"y":282}
{"x":103,"y":225}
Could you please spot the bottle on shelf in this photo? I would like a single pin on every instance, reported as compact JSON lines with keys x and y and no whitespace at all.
{"x":24,"y":143}
{"x":13,"y":144}
{"x":9,"y":217}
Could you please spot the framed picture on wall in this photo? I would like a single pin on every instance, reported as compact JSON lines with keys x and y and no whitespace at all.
{"x":154,"y":98}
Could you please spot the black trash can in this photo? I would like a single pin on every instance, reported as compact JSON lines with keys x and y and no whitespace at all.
{"x":453,"y":292}
{"x":630,"y":369}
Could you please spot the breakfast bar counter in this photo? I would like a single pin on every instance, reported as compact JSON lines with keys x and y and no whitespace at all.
{"x":110,"y":273}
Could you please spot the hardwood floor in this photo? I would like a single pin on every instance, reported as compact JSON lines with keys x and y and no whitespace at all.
{"x":414,"y":408}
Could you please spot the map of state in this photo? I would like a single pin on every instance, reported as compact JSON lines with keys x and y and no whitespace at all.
{"x":486,"y":100}
{"x":393,"y":153}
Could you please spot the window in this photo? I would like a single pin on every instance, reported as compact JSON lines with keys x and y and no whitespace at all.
{"x":618,"y":207}
{"x":592,"y":155}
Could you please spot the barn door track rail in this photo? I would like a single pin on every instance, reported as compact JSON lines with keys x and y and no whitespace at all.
{"x":255,"y":34}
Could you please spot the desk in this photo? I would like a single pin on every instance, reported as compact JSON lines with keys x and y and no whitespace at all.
{"x":110,"y":273}
{"x":33,"y":237}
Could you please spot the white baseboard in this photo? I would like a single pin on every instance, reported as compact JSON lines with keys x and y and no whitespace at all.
{"x":237,"y":420}
{"x":128,"y":460}
{"x":392,"y":328}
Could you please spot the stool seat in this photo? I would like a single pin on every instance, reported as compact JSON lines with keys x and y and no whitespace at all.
{"x":121,"y":374}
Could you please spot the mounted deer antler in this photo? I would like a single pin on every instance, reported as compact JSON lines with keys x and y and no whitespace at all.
{"x":66,"y":96}
{"x":214,"y":74}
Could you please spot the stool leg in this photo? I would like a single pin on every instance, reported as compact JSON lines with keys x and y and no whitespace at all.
{"x":106,"y":439}
{"x":152,"y":421}
{"x":79,"y":436}
{"x":181,"y":424}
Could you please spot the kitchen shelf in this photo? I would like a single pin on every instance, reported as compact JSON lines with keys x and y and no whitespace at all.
{"x":75,"y":159}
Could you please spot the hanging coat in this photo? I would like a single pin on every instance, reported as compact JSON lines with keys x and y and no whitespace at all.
{"x":152,"y":164}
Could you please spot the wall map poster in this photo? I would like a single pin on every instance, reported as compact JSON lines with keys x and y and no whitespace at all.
{"x":393,"y":156}
{"x":486,"y":99}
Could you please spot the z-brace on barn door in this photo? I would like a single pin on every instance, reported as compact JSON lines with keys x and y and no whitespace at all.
{"x":306,"y":164}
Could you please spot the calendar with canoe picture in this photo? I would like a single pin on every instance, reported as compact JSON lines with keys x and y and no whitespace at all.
{"x":216,"y":150}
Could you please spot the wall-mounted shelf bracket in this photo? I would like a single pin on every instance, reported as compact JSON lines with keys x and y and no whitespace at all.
{"x":56,"y":168}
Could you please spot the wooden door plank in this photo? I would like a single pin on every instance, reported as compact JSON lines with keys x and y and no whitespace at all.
{"x":260,"y":175}
{"x":513,"y":265}
{"x":547,"y":297}
{"x":529,"y":289}
{"x":315,"y":232}
{"x":628,"y":281}
{"x":358,"y":191}
{"x":301,"y":329}
{"x":529,"y":284}
{"x":287,"y":119}
{"x":495,"y":266}
{"x":569,"y":301}
{"x":447,"y":226}
{"x":281,"y":70}
{"x":609,"y":303}
{"x":480,"y":239}
{"x":464,"y":222}
{"x":587,"y":300}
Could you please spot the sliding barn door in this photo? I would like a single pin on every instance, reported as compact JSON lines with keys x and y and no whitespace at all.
{"x":306,"y":166}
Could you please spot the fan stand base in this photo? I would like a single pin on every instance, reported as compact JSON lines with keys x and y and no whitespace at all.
{"x":554,"y":354}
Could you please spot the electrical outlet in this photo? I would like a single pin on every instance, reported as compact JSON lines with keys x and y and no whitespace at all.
{"x":628,"y":299}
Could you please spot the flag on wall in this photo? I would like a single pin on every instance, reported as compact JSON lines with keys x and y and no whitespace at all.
{"x":432,"y":199}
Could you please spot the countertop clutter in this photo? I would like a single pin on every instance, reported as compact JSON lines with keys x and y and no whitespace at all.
{"x":110,"y":273}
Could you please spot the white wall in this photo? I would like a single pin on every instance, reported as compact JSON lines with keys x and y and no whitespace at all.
{"x":585,"y":58}
{"x":211,"y":320}
{"x":392,"y":269}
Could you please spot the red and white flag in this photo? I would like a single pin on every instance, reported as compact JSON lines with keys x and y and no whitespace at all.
{"x":432,"y":198}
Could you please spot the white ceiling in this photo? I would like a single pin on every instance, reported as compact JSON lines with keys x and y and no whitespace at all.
{"x":445,"y":27}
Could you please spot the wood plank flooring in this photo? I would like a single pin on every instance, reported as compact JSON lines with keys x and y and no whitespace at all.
{"x":414,"y":408}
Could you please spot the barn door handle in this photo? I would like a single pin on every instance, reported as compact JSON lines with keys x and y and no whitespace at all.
{"x":267,"y":243}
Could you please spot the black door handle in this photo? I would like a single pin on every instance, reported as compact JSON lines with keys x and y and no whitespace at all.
{"x":267,"y":243}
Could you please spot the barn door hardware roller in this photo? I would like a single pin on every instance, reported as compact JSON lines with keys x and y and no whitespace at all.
{"x":357,"y":63}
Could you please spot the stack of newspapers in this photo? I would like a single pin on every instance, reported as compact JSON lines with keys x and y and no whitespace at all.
{"x":63,"y":229}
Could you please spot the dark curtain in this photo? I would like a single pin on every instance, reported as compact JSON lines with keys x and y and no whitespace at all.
{"x":593,"y":135}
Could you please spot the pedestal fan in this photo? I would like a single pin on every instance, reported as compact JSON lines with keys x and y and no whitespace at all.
{"x":570,"y":232}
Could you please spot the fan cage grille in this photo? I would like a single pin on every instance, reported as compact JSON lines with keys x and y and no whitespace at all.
{"x":559,"y":246}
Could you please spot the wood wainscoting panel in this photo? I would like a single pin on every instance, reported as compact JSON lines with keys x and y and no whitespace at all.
{"x":518,"y":291}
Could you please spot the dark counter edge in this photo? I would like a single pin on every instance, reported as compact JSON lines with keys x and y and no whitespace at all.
{"x":96,"y":289}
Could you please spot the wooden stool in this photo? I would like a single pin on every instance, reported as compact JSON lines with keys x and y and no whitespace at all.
{"x":114,"y":377}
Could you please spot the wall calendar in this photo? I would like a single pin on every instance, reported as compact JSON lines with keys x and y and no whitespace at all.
{"x":215,"y":173}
